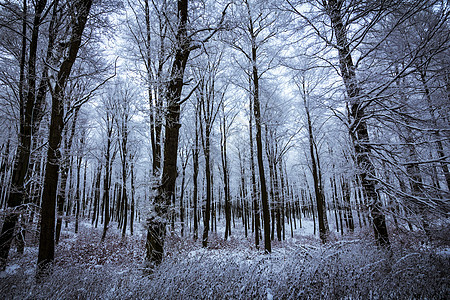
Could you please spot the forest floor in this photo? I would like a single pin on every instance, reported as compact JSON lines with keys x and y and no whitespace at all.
{"x":300,"y":267}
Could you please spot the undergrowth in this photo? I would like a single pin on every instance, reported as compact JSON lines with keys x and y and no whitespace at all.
{"x":352,"y":268}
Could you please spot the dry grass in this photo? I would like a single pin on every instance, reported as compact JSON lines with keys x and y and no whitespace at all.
{"x":350,"y":268}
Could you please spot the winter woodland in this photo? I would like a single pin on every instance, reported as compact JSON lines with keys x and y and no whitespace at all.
{"x":229,"y":149}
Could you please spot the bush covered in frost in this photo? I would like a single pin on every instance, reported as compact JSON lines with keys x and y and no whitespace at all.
{"x":342,"y":270}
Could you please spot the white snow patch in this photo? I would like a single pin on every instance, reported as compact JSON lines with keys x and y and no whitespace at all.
{"x":10,"y":270}
{"x":444,"y":252}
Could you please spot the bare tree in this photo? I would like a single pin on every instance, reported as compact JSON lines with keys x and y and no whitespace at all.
{"x":46,"y":239}
{"x":26,"y":105}
{"x":184,"y":44}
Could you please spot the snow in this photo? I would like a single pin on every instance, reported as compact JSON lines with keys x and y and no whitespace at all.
{"x":299,"y":267}
{"x":10,"y":270}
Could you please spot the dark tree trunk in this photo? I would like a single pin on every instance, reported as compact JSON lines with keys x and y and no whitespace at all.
{"x":348,"y":217}
{"x":157,"y":225}
{"x":284,"y":195}
{"x":124,"y":157}
{"x":335,"y":197}
{"x":97,"y":195}
{"x":183,"y":180}
{"x":78,"y":194}
{"x":21,"y":162}
{"x":252,"y":167}
{"x":323,"y":232}
{"x":244,"y":199}
{"x":155,"y":104}
{"x":107,"y":176}
{"x":259,"y":155}
{"x":277,"y":200}
{"x":259,"y":148}
{"x":46,"y":239}
{"x":207,"y":212}
{"x":226,"y":181}
{"x":195,"y":174}
{"x":358,"y":129}
{"x":83,"y":198}
{"x":124,"y":208}
{"x":133,"y":205}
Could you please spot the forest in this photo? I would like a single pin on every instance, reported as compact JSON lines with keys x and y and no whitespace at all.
{"x":224,"y":149}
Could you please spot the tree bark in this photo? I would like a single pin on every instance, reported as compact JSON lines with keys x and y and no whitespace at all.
{"x":133,"y":205}
{"x":166,"y":190}
{"x":77,"y":191}
{"x":259,"y":148}
{"x":226,"y":181}
{"x":318,"y":192}
{"x":155,"y":107}
{"x":183,"y":181}
{"x":21,"y":162}
{"x":64,"y":170}
{"x":358,"y":129}
{"x":107,"y":178}
{"x":46,"y":238}
{"x":207,"y":212}
{"x":195,"y":173}
{"x":252,"y":167}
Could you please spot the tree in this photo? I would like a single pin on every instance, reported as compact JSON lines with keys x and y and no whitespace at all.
{"x":358,"y":127}
{"x":253,"y":35}
{"x":152,"y":54}
{"x":166,"y":191}
{"x":46,"y":254}
{"x":306,"y":87}
{"x":125,"y":111}
{"x":224,"y":129}
{"x":341,"y":15}
{"x":195,"y":153}
{"x":109,"y":155}
{"x":209,"y":108}
{"x":64,"y":170}
{"x":26,"y":105}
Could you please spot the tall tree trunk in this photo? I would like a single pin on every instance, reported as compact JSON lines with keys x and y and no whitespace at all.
{"x":244,"y":198}
{"x":259,"y":148}
{"x":124,"y":157}
{"x":323,"y":232}
{"x":64,"y":167}
{"x":157,"y":224}
{"x":335,"y":197}
{"x":226,"y":181}
{"x":253,"y":176}
{"x":78,"y":194}
{"x":358,"y":129}
{"x":348,"y":217}
{"x":107,"y":178}
{"x":96,"y":194}
{"x":195,"y":173}
{"x":183,"y":181}
{"x":46,"y":239}
{"x":155,"y":107}
{"x":439,"y":145}
{"x":207,"y":213}
{"x":21,"y":162}
{"x":83,"y":198}
{"x":124,"y":208}
{"x":133,"y":205}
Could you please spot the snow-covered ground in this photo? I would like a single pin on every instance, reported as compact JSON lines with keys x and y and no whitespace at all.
{"x":349,"y":267}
